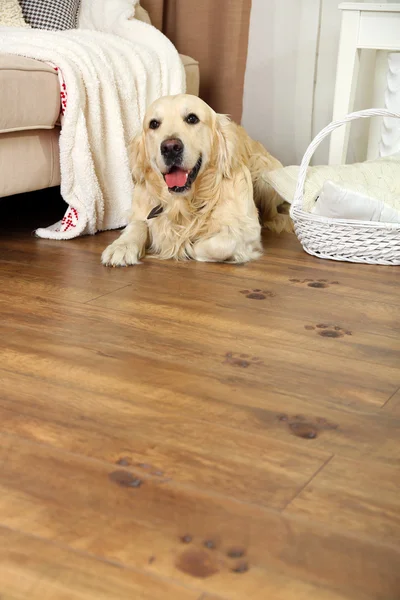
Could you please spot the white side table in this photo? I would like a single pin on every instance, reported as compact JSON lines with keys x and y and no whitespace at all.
{"x":364,"y":25}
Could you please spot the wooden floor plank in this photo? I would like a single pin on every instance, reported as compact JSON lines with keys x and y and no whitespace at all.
{"x":295,"y":320}
{"x":184,"y":535}
{"x":393,"y":404}
{"x":362,"y":498}
{"x":38,"y":570}
{"x":339,"y":427}
{"x":202,"y":308}
{"x":52,"y":283}
{"x":339,"y":430}
{"x":76,"y":258}
{"x":282,"y":367}
{"x":245,"y":466}
{"x":79,"y":257}
{"x":285,"y":252}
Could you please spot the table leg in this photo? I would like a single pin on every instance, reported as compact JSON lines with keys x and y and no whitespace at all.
{"x":346,"y":84}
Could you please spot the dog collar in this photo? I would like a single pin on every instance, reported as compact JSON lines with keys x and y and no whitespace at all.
{"x":157,"y":210}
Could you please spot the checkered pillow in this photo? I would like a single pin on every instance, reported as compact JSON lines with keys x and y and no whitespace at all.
{"x":51,"y":14}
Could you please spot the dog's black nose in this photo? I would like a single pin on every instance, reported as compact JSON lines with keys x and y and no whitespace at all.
{"x":172,"y":148}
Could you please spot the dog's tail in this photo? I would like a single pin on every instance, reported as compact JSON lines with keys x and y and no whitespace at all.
{"x":274,"y":211}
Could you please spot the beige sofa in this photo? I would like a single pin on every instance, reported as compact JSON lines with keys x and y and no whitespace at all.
{"x":29,"y":114}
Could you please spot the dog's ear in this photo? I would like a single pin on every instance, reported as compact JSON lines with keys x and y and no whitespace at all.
{"x":226,"y":141}
{"x":137,"y":158}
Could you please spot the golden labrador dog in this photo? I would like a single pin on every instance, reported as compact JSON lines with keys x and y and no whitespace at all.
{"x":199,"y":188}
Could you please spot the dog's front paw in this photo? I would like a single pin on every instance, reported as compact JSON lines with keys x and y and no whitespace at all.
{"x":120,"y":254}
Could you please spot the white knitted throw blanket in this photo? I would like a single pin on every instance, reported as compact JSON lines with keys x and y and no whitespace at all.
{"x":107,"y":81}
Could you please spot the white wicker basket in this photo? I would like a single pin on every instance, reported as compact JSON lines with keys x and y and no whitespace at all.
{"x":340,"y":239}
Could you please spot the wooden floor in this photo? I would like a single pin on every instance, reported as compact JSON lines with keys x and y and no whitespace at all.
{"x":192,"y":431}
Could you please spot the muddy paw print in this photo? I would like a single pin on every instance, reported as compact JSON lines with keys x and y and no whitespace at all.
{"x":307,"y":428}
{"x":125,"y":461}
{"x":125,"y":479}
{"x":242,"y":360}
{"x":197,"y":563}
{"x":325,"y":330}
{"x":204,"y":559}
{"x":257,"y":294}
{"x":315,"y":283}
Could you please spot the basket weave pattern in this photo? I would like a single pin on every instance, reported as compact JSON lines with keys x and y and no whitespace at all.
{"x":369,"y":242}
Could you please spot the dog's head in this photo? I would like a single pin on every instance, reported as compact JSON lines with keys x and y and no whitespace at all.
{"x":182,"y":137}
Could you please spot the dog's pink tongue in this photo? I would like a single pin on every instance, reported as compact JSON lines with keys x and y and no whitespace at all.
{"x":177,"y":178}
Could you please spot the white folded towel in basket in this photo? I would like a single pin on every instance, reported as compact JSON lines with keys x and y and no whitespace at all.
{"x":338,"y":202}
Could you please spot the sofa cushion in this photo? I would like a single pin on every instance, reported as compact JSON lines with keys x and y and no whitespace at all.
{"x":29,"y":94}
{"x":29,"y":161}
{"x":51,"y":14}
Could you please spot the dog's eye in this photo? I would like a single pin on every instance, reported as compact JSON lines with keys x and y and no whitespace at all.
{"x":154,"y":124}
{"x":192,"y":119}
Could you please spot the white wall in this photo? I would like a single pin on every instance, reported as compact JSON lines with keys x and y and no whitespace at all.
{"x":290,"y":77}
{"x":279,"y":79}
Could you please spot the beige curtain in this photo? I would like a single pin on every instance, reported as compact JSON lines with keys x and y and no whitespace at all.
{"x":214,"y":32}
